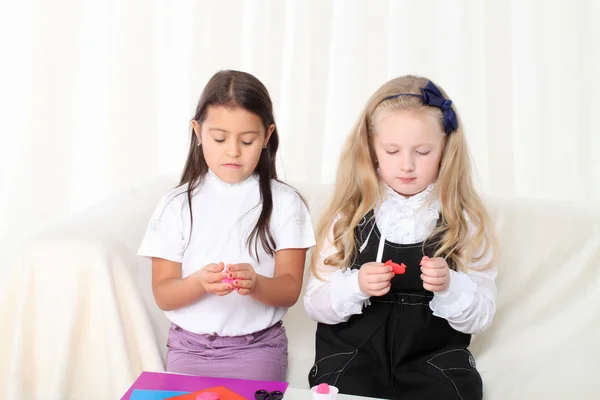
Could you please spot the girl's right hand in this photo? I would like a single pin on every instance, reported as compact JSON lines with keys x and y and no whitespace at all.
{"x":374,"y":279}
{"x":210,"y":278}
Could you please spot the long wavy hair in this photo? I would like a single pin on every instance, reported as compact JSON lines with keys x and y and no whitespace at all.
{"x":238,"y":89}
{"x":358,"y":188}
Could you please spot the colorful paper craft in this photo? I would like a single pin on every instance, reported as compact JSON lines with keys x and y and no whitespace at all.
{"x":191,"y":383}
{"x":223,"y":392}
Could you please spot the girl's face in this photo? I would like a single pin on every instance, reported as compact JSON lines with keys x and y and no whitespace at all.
{"x":409,"y":147}
{"x":232,"y":141}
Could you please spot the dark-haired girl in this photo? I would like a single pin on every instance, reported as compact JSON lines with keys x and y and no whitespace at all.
{"x":228,"y":245}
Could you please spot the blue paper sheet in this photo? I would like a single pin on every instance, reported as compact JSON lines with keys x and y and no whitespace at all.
{"x":139,"y":394}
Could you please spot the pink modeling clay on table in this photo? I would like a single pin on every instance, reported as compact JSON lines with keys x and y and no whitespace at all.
{"x":323,"y":388}
{"x":398,"y":269}
{"x":324,"y":392}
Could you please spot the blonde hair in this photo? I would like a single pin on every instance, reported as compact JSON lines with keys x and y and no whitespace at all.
{"x":357,"y":188}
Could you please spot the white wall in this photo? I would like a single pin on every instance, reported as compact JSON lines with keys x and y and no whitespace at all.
{"x":97,"y":95}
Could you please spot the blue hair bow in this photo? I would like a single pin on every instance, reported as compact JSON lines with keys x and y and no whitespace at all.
{"x":434,"y":98}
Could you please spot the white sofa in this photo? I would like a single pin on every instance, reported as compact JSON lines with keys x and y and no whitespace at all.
{"x":78,"y":319}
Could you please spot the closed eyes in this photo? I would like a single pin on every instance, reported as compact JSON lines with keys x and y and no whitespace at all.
{"x":421,"y":153}
{"x":223,"y":140}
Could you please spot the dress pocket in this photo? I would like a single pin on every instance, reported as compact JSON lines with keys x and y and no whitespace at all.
{"x":329,"y":368}
{"x":458,"y":366}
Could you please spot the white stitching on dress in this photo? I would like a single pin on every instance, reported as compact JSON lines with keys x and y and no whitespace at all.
{"x":464,"y":369}
{"x":338,"y":371}
{"x":446,"y":376}
{"x":406,"y":304}
{"x":451,"y":369}
{"x":448,"y":351}
{"x":332,"y":355}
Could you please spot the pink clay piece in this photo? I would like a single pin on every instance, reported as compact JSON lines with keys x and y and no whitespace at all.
{"x":323,"y":388}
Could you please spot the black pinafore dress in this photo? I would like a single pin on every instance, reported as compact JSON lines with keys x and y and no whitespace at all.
{"x":397,"y":348}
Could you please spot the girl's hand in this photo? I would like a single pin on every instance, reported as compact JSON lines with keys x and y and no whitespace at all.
{"x":374,"y":279}
{"x":435,"y":274}
{"x":210,"y":278}
{"x":244,"y":277}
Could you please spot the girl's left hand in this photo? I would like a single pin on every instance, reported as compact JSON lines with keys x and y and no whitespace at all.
{"x":244,"y":277}
{"x":435,"y":274}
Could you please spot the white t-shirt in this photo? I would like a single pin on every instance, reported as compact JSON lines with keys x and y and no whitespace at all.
{"x":224,"y":215}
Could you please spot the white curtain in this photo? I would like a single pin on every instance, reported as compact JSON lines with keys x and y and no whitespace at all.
{"x":98,"y":95}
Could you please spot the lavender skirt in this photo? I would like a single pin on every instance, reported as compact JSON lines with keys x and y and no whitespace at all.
{"x":261,"y":355}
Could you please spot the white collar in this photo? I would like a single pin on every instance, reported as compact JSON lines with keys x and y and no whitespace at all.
{"x":413,"y":202}
{"x":394,"y":209}
{"x":213,"y":178}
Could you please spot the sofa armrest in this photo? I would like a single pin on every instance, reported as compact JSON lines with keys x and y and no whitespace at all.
{"x":77,"y":308}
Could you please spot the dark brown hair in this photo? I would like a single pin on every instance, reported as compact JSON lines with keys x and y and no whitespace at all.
{"x":238,"y":89}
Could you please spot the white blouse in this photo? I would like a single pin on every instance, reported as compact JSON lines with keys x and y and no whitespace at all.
{"x":469,"y":303}
{"x":224,"y":215}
